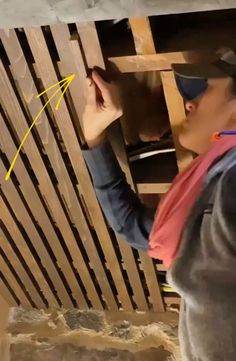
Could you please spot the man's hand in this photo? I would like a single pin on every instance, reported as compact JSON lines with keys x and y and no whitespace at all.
{"x":102,"y":108}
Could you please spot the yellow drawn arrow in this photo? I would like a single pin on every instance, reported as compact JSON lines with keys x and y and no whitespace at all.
{"x":64,"y":83}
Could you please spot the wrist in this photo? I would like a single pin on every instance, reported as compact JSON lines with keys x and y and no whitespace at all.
{"x":93,"y":142}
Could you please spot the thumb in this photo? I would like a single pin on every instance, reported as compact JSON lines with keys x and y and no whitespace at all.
{"x":91,"y":91}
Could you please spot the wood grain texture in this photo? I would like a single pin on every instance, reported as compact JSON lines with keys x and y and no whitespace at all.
{"x":24,"y":300}
{"x":23,"y":217}
{"x":49,"y":210}
{"x":92,"y":50}
{"x":153,"y":188}
{"x":142,"y":34}
{"x":136,"y":63}
{"x":6,"y":294}
{"x":172,"y":300}
{"x":46,"y":187}
{"x":64,"y":182}
{"x":18,"y":267}
{"x":144,"y":45}
{"x":38,"y":211}
{"x":176,"y":111}
{"x":48,"y":76}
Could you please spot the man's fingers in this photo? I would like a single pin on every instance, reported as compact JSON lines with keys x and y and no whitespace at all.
{"x":91,"y":91}
{"x":102,"y":85}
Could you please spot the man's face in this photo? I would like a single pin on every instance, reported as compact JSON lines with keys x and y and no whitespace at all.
{"x":210,"y":112}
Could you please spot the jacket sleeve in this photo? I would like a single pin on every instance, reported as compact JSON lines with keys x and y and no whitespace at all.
{"x":127,"y":215}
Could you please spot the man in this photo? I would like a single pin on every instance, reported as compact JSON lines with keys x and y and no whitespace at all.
{"x":194,"y":230}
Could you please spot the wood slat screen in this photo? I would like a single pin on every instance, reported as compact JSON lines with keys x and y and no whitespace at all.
{"x":56,"y":248}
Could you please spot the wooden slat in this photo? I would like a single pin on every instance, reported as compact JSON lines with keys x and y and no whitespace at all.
{"x":89,"y":39}
{"x":136,"y":63}
{"x":13,"y":283}
{"x":93,"y":54}
{"x":17,"y":265}
{"x":23,"y":76}
{"x":48,"y":76}
{"x":25,"y":251}
{"x":177,"y":115}
{"x":6,"y":294}
{"x":38,"y":211}
{"x":15,"y":113}
{"x":152,"y":282}
{"x":144,"y":45}
{"x":142,"y":34}
{"x":161,"y":267}
{"x":172,"y":300}
{"x":23,"y":217}
{"x":115,"y":136}
{"x":153,"y":188}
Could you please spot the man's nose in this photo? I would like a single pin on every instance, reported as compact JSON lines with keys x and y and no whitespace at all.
{"x":190,"y":106}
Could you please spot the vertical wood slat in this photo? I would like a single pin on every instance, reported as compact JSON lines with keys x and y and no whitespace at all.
{"x":176,"y":112}
{"x":25,"y":81}
{"x":17,"y":265}
{"x":6,"y":294}
{"x":48,"y":76}
{"x":15,"y":113}
{"x":93,"y":54}
{"x":142,"y":33}
{"x":38,"y":211}
{"x":144,"y":44}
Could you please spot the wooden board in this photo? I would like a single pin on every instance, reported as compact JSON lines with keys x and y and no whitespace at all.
{"x":136,"y":63}
{"x":48,"y":76}
{"x":50,"y":207}
{"x":38,"y":211}
{"x":142,"y":34}
{"x":6,"y":294}
{"x":24,"y":300}
{"x":20,"y":270}
{"x":151,"y":188}
{"x":176,"y":111}
{"x":144,"y":44}
{"x":46,"y":187}
{"x":64,"y":182}
{"x":21,"y":213}
{"x":89,"y":40}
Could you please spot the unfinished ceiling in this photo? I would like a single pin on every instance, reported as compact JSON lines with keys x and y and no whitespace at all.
{"x":17,"y":13}
{"x":55,"y":246}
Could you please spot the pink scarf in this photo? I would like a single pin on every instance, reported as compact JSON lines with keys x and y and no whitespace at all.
{"x":175,"y":207}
